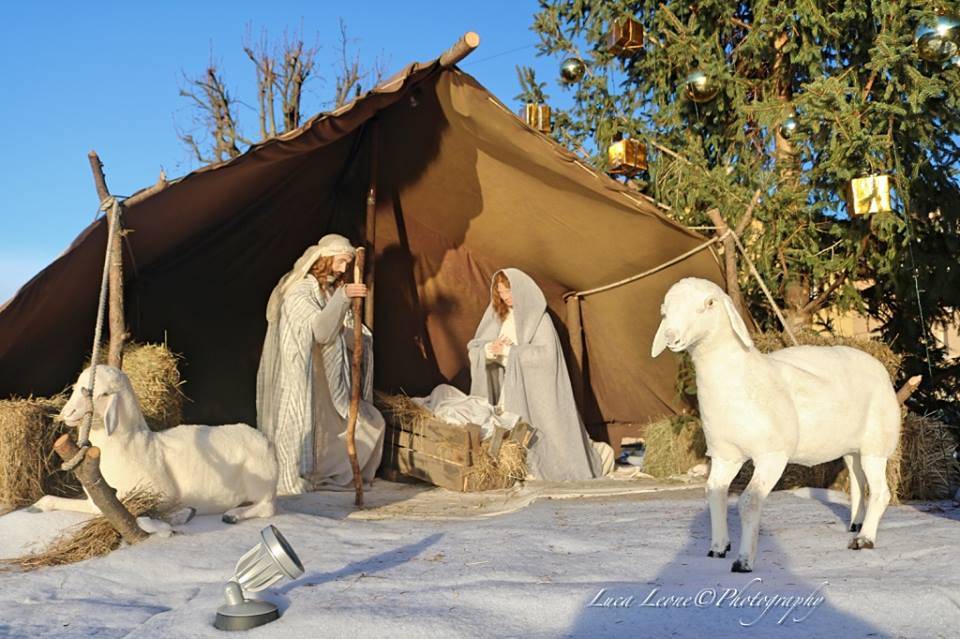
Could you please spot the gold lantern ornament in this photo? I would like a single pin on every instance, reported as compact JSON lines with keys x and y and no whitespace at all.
{"x":625,"y":37}
{"x":536,"y":116}
{"x":870,"y":194}
{"x":627,"y":156}
{"x":701,"y":87}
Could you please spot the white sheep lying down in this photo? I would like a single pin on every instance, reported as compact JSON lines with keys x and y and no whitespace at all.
{"x":805,"y":405}
{"x":210,"y":469}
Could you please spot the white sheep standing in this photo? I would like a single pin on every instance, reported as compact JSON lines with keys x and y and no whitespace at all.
{"x":805,"y":405}
{"x":210,"y":469}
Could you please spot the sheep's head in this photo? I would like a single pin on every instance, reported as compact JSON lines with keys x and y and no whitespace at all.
{"x":109,"y":382}
{"x":693,"y":310}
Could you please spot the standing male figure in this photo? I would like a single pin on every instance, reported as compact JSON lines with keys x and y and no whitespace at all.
{"x":303,"y":383}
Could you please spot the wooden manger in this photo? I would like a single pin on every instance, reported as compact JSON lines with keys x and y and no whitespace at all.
{"x":419,"y":445}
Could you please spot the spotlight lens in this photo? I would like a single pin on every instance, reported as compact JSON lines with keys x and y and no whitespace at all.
{"x":282,"y":551}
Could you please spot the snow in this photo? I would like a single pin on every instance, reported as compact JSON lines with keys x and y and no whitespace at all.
{"x":525,"y":562}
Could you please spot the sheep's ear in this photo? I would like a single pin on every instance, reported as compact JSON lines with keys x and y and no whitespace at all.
{"x":110,"y":416}
{"x":736,"y":322}
{"x":659,"y":341}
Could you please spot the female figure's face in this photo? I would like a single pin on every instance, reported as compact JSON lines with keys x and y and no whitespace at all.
{"x":505,"y":294}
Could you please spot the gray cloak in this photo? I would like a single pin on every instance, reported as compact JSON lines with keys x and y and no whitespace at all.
{"x":535,"y":385}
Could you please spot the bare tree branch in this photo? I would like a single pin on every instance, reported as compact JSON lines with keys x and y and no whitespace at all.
{"x":217,"y":109}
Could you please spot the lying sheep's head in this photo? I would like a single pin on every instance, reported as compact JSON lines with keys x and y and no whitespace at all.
{"x":109,"y":382}
{"x":693,"y":310}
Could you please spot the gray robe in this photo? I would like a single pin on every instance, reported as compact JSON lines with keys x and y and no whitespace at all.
{"x":535,"y":385}
{"x":304,"y":379}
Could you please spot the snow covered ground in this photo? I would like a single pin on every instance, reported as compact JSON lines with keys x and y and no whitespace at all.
{"x":436,"y":564}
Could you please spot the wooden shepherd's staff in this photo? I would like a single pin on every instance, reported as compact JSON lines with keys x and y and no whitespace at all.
{"x":356,"y":377}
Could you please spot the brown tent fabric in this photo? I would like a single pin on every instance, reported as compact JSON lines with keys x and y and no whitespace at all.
{"x":463,"y":189}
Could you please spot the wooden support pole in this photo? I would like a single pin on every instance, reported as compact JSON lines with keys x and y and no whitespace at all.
{"x":907,"y":389}
{"x":464,"y":47}
{"x":574,"y":323}
{"x":356,"y":381}
{"x":105,"y":497}
{"x":731,"y":268}
{"x":118,"y":330}
{"x":370,"y":223}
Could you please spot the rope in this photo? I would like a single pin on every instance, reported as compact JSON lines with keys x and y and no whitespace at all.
{"x":111,"y":206}
{"x":655,"y":269}
{"x":680,"y":258}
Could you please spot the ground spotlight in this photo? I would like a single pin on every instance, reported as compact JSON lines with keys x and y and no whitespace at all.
{"x":263,"y":565}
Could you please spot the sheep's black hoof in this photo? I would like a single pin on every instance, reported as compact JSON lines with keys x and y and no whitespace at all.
{"x":740,"y":567}
{"x":860,"y":543}
{"x":855,"y":527}
{"x":721,"y":555}
{"x":230,"y":519}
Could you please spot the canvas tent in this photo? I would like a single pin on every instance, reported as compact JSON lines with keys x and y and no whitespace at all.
{"x":463,"y":188}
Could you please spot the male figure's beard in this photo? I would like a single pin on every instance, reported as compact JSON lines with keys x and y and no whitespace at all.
{"x":334,"y":281}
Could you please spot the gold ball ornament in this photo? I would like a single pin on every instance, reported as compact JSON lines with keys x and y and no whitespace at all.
{"x":938,"y":42}
{"x":572,"y":70}
{"x":789,"y":127}
{"x":701,"y":87}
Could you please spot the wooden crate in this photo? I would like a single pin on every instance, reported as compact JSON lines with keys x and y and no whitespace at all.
{"x":434,"y":451}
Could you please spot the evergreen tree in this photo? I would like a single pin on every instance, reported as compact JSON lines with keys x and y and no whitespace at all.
{"x":849,"y":73}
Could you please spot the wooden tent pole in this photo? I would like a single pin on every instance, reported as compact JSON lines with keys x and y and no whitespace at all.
{"x":370,"y":230}
{"x":118,"y":331}
{"x":356,"y":381}
{"x":464,"y":47}
{"x":574,"y":323}
{"x":105,"y":497}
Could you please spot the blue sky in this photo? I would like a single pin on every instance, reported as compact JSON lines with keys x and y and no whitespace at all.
{"x":106,"y":75}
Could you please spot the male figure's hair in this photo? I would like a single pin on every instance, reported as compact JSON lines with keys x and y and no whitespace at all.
{"x":499,"y":306}
{"x":322,"y":269}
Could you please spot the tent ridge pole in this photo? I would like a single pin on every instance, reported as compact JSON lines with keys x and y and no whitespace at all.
{"x":463,"y":47}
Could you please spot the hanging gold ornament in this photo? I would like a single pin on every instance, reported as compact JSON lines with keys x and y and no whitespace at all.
{"x":870,"y":194}
{"x":788,"y":128}
{"x":572,"y":70}
{"x":940,"y":41}
{"x":701,"y":87}
{"x":625,"y":37}
{"x":626,"y":157}
{"x":536,"y":116}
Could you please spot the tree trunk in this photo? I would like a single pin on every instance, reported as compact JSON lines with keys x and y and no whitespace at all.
{"x":797,"y":297}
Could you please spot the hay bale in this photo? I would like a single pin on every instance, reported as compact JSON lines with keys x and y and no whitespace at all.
{"x":155,"y":376}
{"x":673,"y":446}
{"x":93,"y":538}
{"x":29,"y":468}
{"x":927,"y":468}
{"x":772,"y":341}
